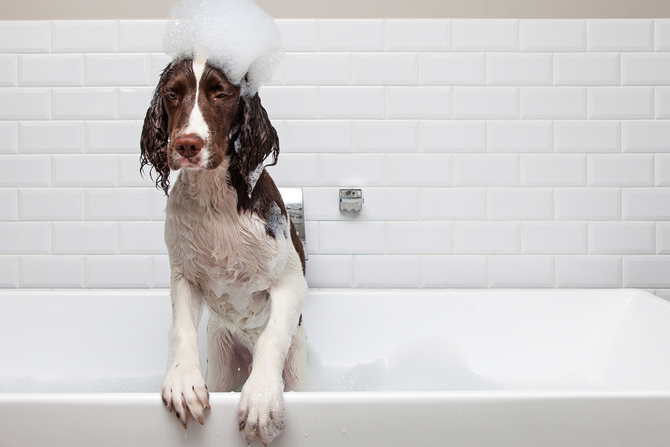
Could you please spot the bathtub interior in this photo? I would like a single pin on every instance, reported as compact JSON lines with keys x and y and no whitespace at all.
{"x":361,"y":340}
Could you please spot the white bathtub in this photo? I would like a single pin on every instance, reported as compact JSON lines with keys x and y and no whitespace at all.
{"x":516,"y":368}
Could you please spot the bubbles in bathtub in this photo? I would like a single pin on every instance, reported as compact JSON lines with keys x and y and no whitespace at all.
{"x":143,"y":384}
{"x":421,"y":365}
{"x":238,"y":36}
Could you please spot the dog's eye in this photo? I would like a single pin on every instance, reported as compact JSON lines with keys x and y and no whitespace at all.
{"x":172,"y":96}
{"x":221,"y":95}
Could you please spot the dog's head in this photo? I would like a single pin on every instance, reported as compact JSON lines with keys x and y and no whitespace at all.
{"x":197,"y":119}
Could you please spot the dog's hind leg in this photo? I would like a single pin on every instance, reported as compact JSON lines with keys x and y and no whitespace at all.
{"x":228,"y":361}
{"x":296,"y":360}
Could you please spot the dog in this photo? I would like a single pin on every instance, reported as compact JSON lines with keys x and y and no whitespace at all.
{"x":231,"y":245}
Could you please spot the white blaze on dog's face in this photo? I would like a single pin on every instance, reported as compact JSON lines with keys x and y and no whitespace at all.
{"x":201,"y":105}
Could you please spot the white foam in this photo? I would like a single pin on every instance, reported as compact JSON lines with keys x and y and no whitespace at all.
{"x":238,"y":37}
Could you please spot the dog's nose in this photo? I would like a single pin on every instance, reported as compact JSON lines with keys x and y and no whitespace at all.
{"x":188,"y":145}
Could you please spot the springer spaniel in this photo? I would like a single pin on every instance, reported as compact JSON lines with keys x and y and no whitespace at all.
{"x":231,"y":245}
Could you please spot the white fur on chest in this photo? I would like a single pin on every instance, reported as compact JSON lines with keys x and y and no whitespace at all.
{"x":229,"y":255}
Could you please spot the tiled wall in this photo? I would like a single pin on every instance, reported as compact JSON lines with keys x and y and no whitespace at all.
{"x":491,"y":153}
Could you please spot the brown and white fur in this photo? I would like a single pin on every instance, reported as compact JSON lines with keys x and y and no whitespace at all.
{"x":231,"y":246}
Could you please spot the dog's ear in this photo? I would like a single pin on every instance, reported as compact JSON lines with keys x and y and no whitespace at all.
{"x":154,"y":140}
{"x":253,"y":140}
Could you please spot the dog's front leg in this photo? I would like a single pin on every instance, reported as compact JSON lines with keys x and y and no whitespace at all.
{"x":261,"y":412}
{"x":184,"y":388}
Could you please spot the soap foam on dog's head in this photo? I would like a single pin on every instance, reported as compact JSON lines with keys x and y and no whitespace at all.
{"x":237,"y":36}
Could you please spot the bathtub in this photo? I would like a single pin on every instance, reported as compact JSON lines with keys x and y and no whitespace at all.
{"x":388,"y":368}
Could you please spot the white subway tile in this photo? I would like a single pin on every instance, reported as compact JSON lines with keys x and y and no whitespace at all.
{"x":552,"y":35}
{"x":25,"y":170}
{"x":90,"y":36}
{"x":385,"y":68}
{"x":645,"y":136}
{"x":51,"y":204}
{"x":9,"y":137}
{"x":588,"y":204}
{"x":662,"y":101}
{"x":9,"y":204}
{"x":620,"y":35}
{"x":137,"y":36}
{"x":418,"y":102}
{"x":588,"y":271}
{"x":51,"y":271}
{"x":646,"y":204}
{"x":290,"y":102}
{"x":139,"y":238}
{"x":295,"y":170}
{"x":350,"y":35}
{"x":419,"y":238}
{"x":399,"y":271}
{"x":453,"y":204}
{"x":485,"y":35}
{"x":486,"y":170}
{"x":663,"y":238}
{"x":646,"y":271}
{"x":84,"y":238}
{"x":8,"y":70}
{"x":390,"y":204}
{"x":452,"y":136}
{"x":520,"y":136}
{"x":353,"y":237}
{"x":117,"y":69}
{"x":553,"y":103}
{"x":587,"y":136}
{"x":520,"y":204}
{"x":51,"y":70}
{"x":118,"y":271}
{"x":84,"y":170}
{"x":662,"y":34}
{"x":118,"y":204}
{"x":323,"y":204}
{"x":129,"y":172}
{"x":113,"y":137}
{"x":158,"y":204}
{"x":519,"y":69}
{"x":330,"y":271}
{"x":546,"y":238}
{"x":454,"y":271}
{"x":351,"y":170}
{"x":160,"y":271}
{"x":316,"y":136}
{"x":613,"y":238}
{"x":620,"y":102}
{"x":586,"y":69}
{"x":452,"y":69}
{"x":487,"y":238}
{"x":645,"y":69}
{"x":85,"y":103}
{"x":419,"y":170}
{"x":25,"y":36}
{"x":51,"y":137}
{"x":312,"y":237}
{"x":27,"y":103}
{"x":418,"y":34}
{"x":134,"y":102}
{"x":530,"y":271}
{"x":351,"y":102}
{"x":662,"y":169}
{"x":318,"y":68}
{"x":553,"y":170}
{"x":159,"y":61}
{"x":25,"y":238}
{"x":9,"y":272}
{"x":621,"y":170}
{"x":385,"y":136}
{"x":298,"y":34}
{"x":486,"y":102}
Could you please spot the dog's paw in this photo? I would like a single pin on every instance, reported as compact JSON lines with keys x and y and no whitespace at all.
{"x":260,"y":414}
{"x":185,"y":391}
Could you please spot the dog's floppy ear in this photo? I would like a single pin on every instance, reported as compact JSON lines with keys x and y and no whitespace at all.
{"x":253,"y":140}
{"x":155,"y":138}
